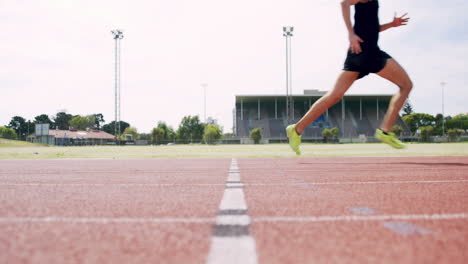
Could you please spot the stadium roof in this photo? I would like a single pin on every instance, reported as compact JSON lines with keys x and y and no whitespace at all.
{"x":271,"y":97}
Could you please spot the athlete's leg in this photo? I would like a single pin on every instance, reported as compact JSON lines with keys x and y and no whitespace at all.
{"x":396,"y":74}
{"x":344,"y":81}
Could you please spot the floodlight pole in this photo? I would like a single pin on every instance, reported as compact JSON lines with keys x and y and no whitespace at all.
{"x":443,"y":111}
{"x":117,"y":35}
{"x":288,"y":33}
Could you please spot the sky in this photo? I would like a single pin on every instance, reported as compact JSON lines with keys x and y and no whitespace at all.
{"x":58,"y":55}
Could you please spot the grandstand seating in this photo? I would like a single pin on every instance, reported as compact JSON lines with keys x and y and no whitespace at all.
{"x":274,"y":126}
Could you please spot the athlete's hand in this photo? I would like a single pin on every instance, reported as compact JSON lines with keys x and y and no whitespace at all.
{"x":354,"y":43}
{"x":400,"y":21}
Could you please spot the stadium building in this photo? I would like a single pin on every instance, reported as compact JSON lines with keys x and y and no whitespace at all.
{"x":356,"y":116}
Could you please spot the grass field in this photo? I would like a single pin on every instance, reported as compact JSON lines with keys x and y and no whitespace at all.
{"x":23,"y":150}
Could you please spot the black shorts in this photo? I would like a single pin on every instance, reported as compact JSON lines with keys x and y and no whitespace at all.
{"x":368,"y":61}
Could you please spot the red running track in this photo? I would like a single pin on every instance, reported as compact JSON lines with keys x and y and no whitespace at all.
{"x":303,"y":210}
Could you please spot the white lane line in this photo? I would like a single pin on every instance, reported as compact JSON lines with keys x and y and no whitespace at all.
{"x":229,"y":184}
{"x":353,"y":182}
{"x":104,"y":220}
{"x":231,"y":242}
{"x":233,"y":199}
{"x":115,"y":184}
{"x":363,"y":218}
{"x":233,"y":250}
{"x":233,"y":220}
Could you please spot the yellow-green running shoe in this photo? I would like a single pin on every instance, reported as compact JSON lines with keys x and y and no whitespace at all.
{"x":294,"y":138}
{"x":389,"y":139}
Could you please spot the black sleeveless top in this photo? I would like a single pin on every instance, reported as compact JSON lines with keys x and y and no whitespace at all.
{"x":366,"y":23}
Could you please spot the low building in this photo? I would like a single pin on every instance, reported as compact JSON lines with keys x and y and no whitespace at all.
{"x":71,"y":137}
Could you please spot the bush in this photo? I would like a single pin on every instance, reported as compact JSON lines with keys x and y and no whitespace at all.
{"x":8,"y":133}
{"x":330,"y":135}
{"x":211,"y":134}
{"x":426,"y":133}
{"x":397,"y":130}
{"x":255,"y":135}
{"x":453,"y":134}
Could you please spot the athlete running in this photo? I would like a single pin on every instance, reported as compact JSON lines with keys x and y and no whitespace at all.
{"x":364,"y":57}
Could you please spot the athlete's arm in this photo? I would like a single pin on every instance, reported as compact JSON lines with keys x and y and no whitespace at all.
{"x":397,"y":21}
{"x":354,"y":39}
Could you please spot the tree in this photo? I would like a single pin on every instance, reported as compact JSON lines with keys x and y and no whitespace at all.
{"x":256,"y":135}
{"x":8,"y":133}
{"x":130,"y":131}
{"x":44,"y":119}
{"x":21,"y":127}
{"x":453,"y":134}
{"x":110,"y":128}
{"x":61,"y":120}
{"x":459,"y":121}
{"x":82,"y":122}
{"x":397,"y":130}
{"x":416,"y":120}
{"x":99,"y":120}
{"x":162,"y":134}
{"x":212,"y":133}
{"x":407,"y":108}
{"x":426,"y":133}
{"x":157,"y":135}
{"x":190,"y":129}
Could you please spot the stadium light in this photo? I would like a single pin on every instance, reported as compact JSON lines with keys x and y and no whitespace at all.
{"x":288,"y":33}
{"x":117,"y":35}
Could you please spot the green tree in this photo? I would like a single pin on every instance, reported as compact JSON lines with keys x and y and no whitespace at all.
{"x":397,"y":130}
{"x":130,"y":131}
{"x":8,"y":133}
{"x":157,"y":136}
{"x":61,"y":120}
{"x":82,"y":122}
{"x":417,"y":120}
{"x":459,"y":121}
{"x":110,"y":128}
{"x":256,"y":135}
{"x":453,"y":134}
{"x":21,"y":127}
{"x":190,"y":129}
{"x":44,"y":119}
{"x":99,"y":119}
{"x":426,"y":133}
{"x":212,"y":133}
{"x":407,"y":108}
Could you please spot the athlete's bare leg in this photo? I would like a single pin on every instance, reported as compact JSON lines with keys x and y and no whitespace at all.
{"x":397,"y":75}
{"x":344,"y":81}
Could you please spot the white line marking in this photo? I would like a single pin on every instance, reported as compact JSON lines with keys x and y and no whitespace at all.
{"x":105,"y":220}
{"x":353,"y":182}
{"x":223,"y":184}
{"x":233,"y":199}
{"x":115,"y":184}
{"x":234,"y":185}
{"x":234,"y":177}
{"x":362,"y":218}
{"x":233,"y":220}
{"x":235,"y":248}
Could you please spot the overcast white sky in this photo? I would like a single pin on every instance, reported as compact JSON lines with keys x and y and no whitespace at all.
{"x":58,"y":54}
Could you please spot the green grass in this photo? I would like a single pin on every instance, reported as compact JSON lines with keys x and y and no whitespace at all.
{"x":8,"y":143}
{"x":34,"y":151}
